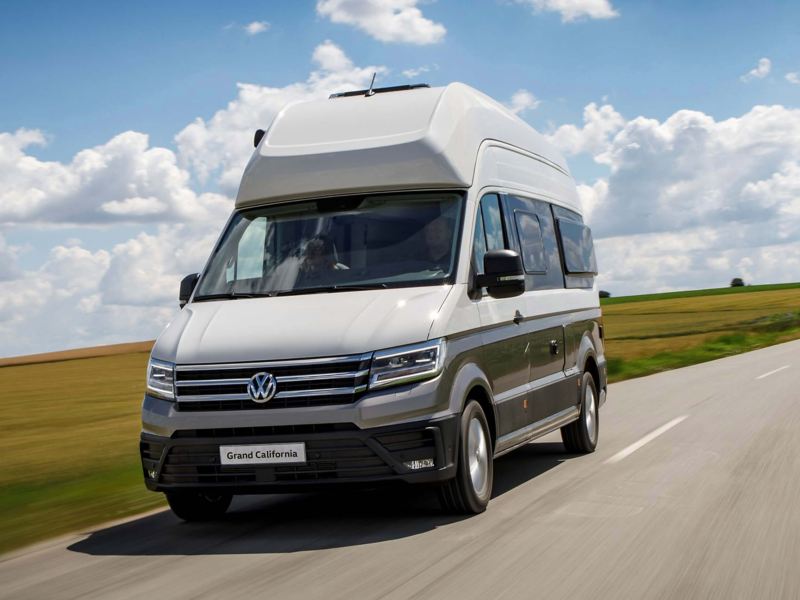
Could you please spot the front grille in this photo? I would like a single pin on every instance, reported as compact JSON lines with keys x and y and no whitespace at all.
{"x":300,"y":383}
{"x":334,"y":451}
{"x":335,"y":458}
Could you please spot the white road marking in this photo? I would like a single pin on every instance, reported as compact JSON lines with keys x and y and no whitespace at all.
{"x":778,"y":370}
{"x":646,"y":439}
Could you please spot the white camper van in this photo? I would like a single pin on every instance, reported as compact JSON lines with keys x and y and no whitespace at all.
{"x":404,"y":292}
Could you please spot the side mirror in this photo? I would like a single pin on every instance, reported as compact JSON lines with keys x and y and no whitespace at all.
{"x":257,"y":137}
{"x":188,"y":284}
{"x":503,"y":275}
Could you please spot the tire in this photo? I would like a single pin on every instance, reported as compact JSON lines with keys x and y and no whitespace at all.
{"x":470,"y":490}
{"x":196,"y":506}
{"x":580,"y":437}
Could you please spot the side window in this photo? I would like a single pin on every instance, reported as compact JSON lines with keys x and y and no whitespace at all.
{"x":576,"y":240}
{"x":564,"y":213}
{"x":577,"y":248}
{"x":529,"y":231}
{"x":249,"y":263}
{"x":539,"y":249}
{"x":488,"y":229}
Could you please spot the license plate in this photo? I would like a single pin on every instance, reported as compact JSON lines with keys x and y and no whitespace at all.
{"x":263,"y":454}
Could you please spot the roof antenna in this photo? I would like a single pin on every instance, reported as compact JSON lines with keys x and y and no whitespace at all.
{"x":370,"y":91}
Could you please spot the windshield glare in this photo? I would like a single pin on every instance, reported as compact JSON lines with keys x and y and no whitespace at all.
{"x":337,"y":243}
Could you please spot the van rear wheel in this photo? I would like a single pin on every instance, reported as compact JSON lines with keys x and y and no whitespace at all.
{"x":580,"y":437}
{"x":197,"y":506}
{"x":470,"y":490}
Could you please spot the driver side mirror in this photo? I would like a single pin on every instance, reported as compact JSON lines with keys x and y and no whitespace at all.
{"x":503,"y":275}
{"x":188,"y":284}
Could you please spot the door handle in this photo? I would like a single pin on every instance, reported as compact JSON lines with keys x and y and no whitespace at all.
{"x":518,"y":317}
{"x":554,"y":347}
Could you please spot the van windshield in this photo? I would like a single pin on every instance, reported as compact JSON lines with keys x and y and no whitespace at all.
{"x":336,"y":244}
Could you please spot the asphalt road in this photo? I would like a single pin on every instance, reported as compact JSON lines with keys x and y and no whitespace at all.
{"x":694,"y":492}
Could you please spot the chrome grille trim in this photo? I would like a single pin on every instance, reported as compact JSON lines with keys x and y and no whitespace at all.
{"x":287,"y":394}
{"x":280,"y":379}
{"x":305,"y":362}
{"x":300,"y":383}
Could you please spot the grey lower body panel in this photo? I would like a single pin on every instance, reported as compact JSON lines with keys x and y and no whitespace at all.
{"x":513,"y":440}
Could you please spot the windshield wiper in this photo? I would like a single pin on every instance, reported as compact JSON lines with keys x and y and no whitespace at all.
{"x":231,"y":296}
{"x":331,"y":288}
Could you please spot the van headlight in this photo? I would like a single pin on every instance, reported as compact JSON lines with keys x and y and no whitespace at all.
{"x":407,"y":364}
{"x":161,"y":379}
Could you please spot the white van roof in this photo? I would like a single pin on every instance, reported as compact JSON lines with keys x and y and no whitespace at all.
{"x":418,"y":138}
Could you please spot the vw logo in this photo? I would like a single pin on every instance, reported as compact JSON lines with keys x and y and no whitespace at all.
{"x":262,"y":387}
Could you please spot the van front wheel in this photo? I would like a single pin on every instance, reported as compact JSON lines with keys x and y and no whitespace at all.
{"x":469,"y":491}
{"x":581,"y":436}
{"x":196,"y":506}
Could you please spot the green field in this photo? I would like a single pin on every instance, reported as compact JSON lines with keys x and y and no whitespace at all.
{"x":69,"y":438}
{"x":648,"y":334}
{"x":69,"y":434}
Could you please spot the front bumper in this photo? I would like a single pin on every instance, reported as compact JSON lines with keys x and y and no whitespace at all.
{"x":338,"y":453}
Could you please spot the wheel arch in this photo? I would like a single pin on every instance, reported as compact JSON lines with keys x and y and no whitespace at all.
{"x":471,"y":383}
{"x":587,"y":359}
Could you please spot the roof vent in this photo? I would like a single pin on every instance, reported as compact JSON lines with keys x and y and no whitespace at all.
{"x":372,"y":91}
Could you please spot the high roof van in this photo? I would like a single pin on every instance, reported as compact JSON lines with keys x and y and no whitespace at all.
{"x":404,"y":292}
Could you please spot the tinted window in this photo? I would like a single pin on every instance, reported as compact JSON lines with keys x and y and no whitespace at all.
{"x":548,"y":275}
{"x":576,"y":240}
{"x":478,"y":244}
{"x":488,"y":230}
{"x":529,"y":231}
{"x":492,"y":223}
{"x":565,"y":213}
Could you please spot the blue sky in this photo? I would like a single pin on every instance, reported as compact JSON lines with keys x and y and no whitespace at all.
{"x":85,"y":71}
{"x":667,"y":74}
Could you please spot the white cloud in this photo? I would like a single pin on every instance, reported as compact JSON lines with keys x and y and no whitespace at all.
{"x":384,"y":20}
{"x":414,"y":73}
{"x":600,"y":124}
{"x":331,"y":58}
{"x":793,"y":77}
{"x":573,"y":10}
{"x":79,"y":297}
{"x":521,"y":101}
{"x":592,"y":195}
{"x":691,"y":170}
{"x":221,"y":146}
{"x":256,"y":27}
{"x":123,"y":180}
{"x":8,"y":260}
{"x":760,"y":71}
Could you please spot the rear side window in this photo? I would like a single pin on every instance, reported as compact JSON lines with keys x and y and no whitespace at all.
{"x":529,"y":230}
{"x":534,"y":228}
{"x":576,"y":240}
{"x":488,"y":230}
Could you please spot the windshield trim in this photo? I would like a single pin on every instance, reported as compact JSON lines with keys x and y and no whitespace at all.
{"x":449,"y":280}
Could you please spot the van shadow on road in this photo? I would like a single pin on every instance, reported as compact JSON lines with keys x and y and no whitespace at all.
{"x":300,"y":522}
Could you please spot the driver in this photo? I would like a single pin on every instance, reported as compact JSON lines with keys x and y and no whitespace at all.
{"x":438,"y":236}
{"x":319,"y":260}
